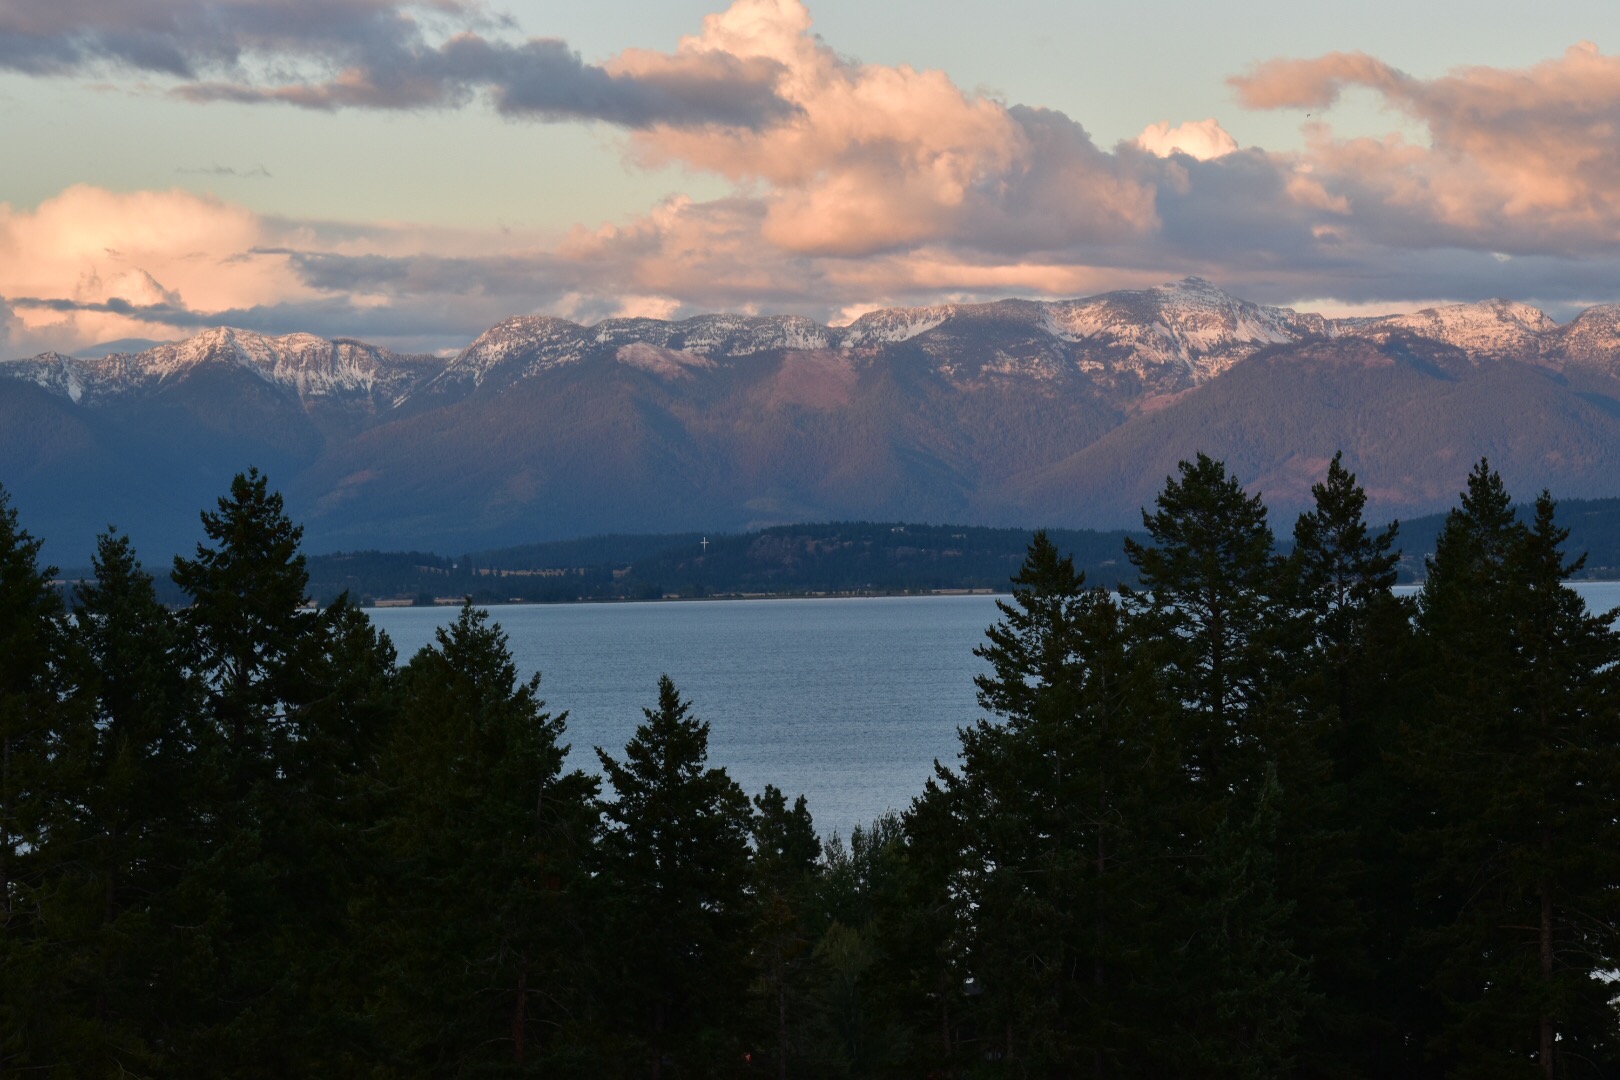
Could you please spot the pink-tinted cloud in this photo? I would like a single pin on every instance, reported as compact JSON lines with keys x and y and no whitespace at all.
{"x":1523,"y":161}
{"x":165,"y":249}
{"x":92,"y":265}
{"x":852,"y":185}
{"x":875,"y":159}
{"x":1313,"y":84}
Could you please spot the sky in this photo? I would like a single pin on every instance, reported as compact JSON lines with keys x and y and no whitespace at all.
{"x":412,"y":171}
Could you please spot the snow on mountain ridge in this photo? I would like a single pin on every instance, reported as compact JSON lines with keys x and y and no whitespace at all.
{"x":1592,"y":338}
{"x":888,"y":326}
{"x":1490,"y":327}
{"x":1142,"y":341}
{"x":311,"y":366}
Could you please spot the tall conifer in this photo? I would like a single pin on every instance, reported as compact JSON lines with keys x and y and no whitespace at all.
{"x":253,"y":645}
{"x":121,"y":841}
{"x":1520,"y":755}
{"x":1345,"y":806}
{"x":1208,"y":608}
{"x":786,"y":851}
{"x":1061,"y":870}
{"x":674,"y":852}
{"x":32,"y":685}
{"x":1212,"y":615}
{"x":477,"y":928}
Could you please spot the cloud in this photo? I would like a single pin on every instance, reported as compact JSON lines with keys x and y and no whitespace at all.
{"x":1307,"y":84}
{"x":1201,"y":139}
{"x":87,"y":246}
{"x":376,"y":54}
{"x":1518,"y":161}
{"x":184,"y":38}
{"x":851,"y":184}
{"x":91,"y":265}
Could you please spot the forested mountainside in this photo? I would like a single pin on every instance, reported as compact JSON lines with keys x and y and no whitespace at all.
{"x":1011,"y":414}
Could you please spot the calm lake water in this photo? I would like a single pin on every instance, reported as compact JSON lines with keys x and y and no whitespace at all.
{"x":849,"y":701}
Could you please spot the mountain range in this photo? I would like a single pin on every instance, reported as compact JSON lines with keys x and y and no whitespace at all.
{"x":1064,"y":413}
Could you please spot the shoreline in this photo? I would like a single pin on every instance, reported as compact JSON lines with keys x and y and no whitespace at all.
{"x":449,"y":602}
{"x":1405,"y":588}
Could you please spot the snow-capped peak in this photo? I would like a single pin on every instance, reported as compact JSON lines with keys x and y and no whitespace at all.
{"x":311,"y":366}
{"x":1489,"y":327}
{"x":1148,"y":341}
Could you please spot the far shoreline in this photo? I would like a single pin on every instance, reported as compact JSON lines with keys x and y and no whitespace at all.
{"x":457,"y":601}
{"x":1409,"y":588}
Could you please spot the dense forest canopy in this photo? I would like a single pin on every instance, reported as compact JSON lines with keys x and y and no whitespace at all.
{"x":1255,"y":816}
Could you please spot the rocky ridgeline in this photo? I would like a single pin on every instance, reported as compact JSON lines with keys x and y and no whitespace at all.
{"x":1150,"y":341}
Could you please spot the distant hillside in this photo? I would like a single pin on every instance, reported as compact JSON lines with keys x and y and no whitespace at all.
{"x":1593,"y":524}
{"x":838,"y":558}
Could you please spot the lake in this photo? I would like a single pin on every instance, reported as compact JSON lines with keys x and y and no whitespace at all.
{"x":848,"y":701}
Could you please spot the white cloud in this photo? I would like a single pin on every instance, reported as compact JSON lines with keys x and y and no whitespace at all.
{"x":1201,"y":139}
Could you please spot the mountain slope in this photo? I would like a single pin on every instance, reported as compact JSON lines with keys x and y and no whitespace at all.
{"x":1411,"y":414}
{"x":1066,"y":413}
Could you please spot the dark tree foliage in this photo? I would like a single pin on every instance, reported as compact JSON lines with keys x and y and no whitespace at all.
{"x":1343,"y":573}
{"x":32,"y":684}
{"x":246,"y":592}
{"x":1213,"y":618}
{"x":786,"y":852}
{"x":1520,"y":757}
{"x":1057,"y":811}
{"x":293,"y":699}
{"x":1207,"y":611}
{"x":483,"y":843}
{"x":1344,"y":807}
{"x":127,"y":821}
{"x":675,"y":865}
{"x":1262,"y":818}
{"x":885,"y":992}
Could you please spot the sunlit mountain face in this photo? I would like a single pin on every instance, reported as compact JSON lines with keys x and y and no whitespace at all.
{"x":1017,"y":412}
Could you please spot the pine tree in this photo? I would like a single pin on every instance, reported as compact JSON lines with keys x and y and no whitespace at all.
{"x":318,"y":821}
{"x":127,"y":824}
{"x":1520,"y":756}
{"x":1213,"y":617}
{"x":265,"y":889}
{"x":1208,"y":607}
{"x":1240,"y":962}
{"x":786,"y":853}
{"x":478,"y":919}
{"x":247,"y":592}
{"x":32,"y":686}
{"x":674,"y":852}
{"x":1053,"y":808}
{"x":1345,"y":804}
{"x":1344,"y":573}
{"x":886,"y":988}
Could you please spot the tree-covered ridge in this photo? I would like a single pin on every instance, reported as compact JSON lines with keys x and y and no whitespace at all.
{"x":1255,"y":817}
{"x":830,"y":558}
